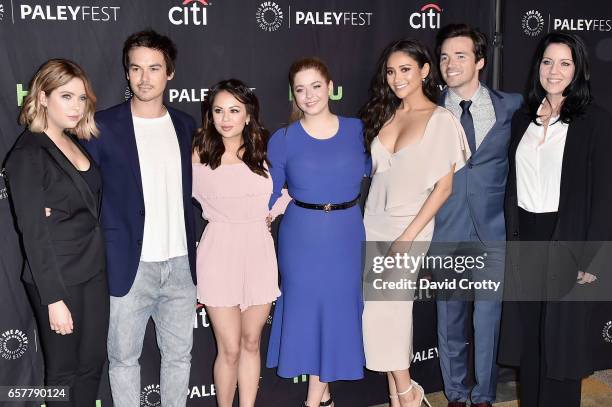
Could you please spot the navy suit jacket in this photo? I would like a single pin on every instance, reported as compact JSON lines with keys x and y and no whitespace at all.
{"x":475,"y":209}
{"x":123,"y":211}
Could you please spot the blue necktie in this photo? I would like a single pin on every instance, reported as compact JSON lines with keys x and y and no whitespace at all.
{"x":468,"y":124}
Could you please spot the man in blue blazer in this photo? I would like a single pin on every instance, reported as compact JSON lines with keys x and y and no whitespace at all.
{"x":144,"y":155}
{"x":474,"y":212}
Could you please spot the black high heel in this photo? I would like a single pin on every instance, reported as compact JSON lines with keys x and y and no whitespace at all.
{"x":328,"y":402}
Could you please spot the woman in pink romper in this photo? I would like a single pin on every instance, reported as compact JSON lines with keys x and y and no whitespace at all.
{"x":236,"y":260}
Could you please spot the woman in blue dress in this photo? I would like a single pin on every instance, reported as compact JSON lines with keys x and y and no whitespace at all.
{"x":316,"y":328}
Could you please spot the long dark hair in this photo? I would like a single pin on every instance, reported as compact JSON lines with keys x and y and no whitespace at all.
{"x":577,"y":93}
{"x":208,"y":143}
{"x":383,"y":103}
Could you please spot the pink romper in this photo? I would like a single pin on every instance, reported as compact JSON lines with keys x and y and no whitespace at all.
{"x":236,"y":260}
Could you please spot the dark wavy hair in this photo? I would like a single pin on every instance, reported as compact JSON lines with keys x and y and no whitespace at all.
{"x":150,"y":39}
{"x":208,"y":143}
{"x":383,"y":103}
{"x":577,"y":93}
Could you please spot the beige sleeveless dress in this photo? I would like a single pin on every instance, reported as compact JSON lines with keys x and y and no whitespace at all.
{"x":401,"y":182}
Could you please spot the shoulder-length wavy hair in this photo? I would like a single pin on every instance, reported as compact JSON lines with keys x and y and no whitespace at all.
{"x":299,"y":66}
{"x":208,"y":143}
{"x":50,"y":76}
{"x":383,"y":103}
{"x":577,"y":93}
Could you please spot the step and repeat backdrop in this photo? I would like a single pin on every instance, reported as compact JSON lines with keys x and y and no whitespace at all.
{"x":254,"y":41}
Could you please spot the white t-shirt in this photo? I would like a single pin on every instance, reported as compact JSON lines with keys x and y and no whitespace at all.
{"x":160,"y":168}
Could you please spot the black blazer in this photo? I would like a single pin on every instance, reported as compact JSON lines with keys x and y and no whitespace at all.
{"x":584,"y":214}
{"x":66,"y":248}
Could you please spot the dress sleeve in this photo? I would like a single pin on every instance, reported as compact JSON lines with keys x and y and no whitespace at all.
{"x":25,"y":176}
{"x":277,"y":155}
{"x":281,"y":204}
{"x":447,"y":146}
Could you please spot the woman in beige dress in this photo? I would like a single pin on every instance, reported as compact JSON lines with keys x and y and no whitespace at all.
{"x":416,"y":147}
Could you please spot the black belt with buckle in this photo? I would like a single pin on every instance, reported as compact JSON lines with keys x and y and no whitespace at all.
{"x":328,"y":206}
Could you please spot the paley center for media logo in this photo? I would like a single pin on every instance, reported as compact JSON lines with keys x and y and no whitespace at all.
{"x":13,"y":344}
{"x":269,"y":16}
{"x":533,"y":23}
{"x":190,"y":12}
{"x":427,"y":17}
{"x":606,"y":332}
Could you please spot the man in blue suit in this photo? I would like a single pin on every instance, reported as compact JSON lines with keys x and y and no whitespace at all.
{"x":144,"y":155}
{"x":474,"y":212}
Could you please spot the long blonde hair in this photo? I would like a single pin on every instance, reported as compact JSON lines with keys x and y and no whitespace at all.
{"x":50,"y":76}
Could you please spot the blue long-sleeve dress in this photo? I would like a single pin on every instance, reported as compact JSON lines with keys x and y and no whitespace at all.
{"x":317,"y":320}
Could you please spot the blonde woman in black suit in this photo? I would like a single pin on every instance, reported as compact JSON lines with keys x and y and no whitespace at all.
{"x":55,"y":192}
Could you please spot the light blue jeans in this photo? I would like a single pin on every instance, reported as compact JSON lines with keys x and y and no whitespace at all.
{"x":165,"y":291}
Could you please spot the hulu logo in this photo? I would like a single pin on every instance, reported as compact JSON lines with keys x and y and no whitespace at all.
{"x":20,"y":95}
{"x":300,"y":379}
{"x":337,"y":95}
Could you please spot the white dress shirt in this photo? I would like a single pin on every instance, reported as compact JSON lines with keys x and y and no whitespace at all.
{"x":539,"y":159}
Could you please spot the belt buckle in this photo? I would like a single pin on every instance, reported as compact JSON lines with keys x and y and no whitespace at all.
{"x":327,"y":207}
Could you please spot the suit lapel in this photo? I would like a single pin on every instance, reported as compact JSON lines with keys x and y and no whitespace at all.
{"x":78,"y":181}
{"x":125,"y":125}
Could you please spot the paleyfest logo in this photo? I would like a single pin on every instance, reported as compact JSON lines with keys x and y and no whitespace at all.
{"x":533,"y":23}
{"x":269,"y":16}
{"x":190,"y":12}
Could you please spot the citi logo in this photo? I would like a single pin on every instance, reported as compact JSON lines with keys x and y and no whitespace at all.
{"x":427,"y":17}
{"x":190,"y":12}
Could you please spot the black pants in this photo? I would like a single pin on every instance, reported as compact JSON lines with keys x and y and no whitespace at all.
{"x":536,"y":388}
{"x":76,"y":360}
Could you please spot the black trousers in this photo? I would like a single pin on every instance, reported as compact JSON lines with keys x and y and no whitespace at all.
{"x":536,"y":388}
{"x":76,"y":360}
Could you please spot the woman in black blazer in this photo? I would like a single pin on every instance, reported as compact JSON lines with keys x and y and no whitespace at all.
{"x":55,"y":192}
{"x":558,"y":193}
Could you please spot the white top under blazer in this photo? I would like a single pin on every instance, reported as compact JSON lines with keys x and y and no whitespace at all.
{"x":539,"y":158}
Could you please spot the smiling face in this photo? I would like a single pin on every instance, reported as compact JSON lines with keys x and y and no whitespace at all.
{"x":458,"y":64}
{"x":147,"y":73}
{"x":311,"y":91}
{"x":404,"y":76}
{"x":229,"y":115}
{"x":65,"y":105}
{"x":556,"y":70}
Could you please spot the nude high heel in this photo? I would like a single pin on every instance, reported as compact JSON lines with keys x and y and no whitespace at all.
{"x":420,"y":397}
